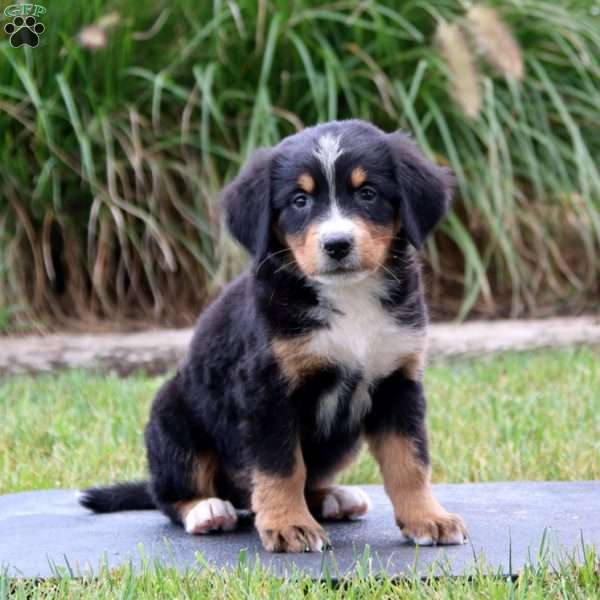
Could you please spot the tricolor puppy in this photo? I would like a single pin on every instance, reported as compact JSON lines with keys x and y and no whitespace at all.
{"x":319,"y":346}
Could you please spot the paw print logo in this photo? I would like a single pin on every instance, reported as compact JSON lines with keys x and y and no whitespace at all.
{"x":24,"y":31}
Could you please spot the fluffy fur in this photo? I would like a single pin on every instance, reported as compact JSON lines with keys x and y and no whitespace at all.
{"x":319,"y":346}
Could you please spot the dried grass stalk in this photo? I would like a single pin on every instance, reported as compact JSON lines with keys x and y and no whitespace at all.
{"x":454,"y":48}
{"x":95,"y":37}
{"x":92,"y":38}
{"x":495,"y":42}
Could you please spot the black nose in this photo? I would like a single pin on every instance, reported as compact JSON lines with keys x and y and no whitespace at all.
{"x":337,"y":246}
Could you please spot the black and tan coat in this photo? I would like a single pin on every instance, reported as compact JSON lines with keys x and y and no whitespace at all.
{"x":319,"y":346}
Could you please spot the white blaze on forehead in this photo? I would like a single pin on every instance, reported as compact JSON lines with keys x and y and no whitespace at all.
{"x":336,"y":223}
{"x":327,"y":152}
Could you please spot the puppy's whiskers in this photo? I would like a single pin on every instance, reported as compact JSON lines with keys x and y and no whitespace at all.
{"x":285,"y":266}
{"x":389,"y":272}
{"x":262,"y":262}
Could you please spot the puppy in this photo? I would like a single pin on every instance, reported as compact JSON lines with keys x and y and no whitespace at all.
{"x":319,"y":346}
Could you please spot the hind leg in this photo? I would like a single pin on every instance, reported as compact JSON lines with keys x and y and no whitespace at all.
{"x":184,"y":468}
{"x":206,"y":512}
{"x":330,"y":501}
{"x":207,"y":515}
{"x":338,"y":502}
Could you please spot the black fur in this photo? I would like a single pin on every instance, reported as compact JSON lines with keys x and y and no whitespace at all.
{"x":122,"y":496}
{"x":231,"y":398}
{"x":407,"y":417}
{"x":247,"y":200}
{"x":425,"y":190}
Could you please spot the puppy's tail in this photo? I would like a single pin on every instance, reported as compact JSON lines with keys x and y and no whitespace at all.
{"x":122,"y":496}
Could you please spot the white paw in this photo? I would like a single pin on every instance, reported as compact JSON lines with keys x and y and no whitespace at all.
{"x":451,"y":538}
{"x":423,"y":540}
{"x":455,"y":538}
{"x":211,"y":514}
{"x":345,"y":502}
{"x":434,"y":528}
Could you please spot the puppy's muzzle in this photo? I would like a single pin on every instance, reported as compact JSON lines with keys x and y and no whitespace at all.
{"x":337,"y":246}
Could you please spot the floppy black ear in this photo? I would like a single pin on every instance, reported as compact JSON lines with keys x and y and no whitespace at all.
{"x":247,"y":203}
{"x":424,"y":189}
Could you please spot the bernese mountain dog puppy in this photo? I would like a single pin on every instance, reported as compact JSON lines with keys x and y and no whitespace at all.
{"x":319,"y":346}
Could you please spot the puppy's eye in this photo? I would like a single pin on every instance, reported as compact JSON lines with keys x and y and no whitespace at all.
{"x":300,"y":201}
{"x":367,"y":194}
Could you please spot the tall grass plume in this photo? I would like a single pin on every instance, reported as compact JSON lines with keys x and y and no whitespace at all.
{"x":495,"y":41}
{"x":462,"y":69}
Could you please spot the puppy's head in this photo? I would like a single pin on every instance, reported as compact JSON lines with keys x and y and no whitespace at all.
{"x":336,"y":195}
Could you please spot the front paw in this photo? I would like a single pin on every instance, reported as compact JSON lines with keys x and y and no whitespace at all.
{"x":434,"y":528}
{"x":300,"y":534}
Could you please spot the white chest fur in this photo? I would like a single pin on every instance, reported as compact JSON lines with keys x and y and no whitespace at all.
{"x":363,"y":337}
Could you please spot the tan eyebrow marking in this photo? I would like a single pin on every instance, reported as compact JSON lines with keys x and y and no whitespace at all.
{"x":306,"y":183}
{"x":358,"y":177}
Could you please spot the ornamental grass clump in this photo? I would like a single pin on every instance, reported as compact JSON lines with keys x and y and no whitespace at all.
{"x":115,"y":141}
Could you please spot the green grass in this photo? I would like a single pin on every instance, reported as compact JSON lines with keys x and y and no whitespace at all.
{"x":548,"y":579}
{"x":110,"y":161}
{"x":513,"y":416}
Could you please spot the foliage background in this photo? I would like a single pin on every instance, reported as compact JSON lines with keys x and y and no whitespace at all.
{"x":117,"y":132}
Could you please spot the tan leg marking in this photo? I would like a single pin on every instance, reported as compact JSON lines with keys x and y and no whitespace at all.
{"x":407,"y":482}
{"x":283,"y":520}
{"x":205,"y":474}
{"x":206,"y":512}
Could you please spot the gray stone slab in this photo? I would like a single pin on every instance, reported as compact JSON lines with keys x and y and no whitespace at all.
{"x":507,"y":523}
